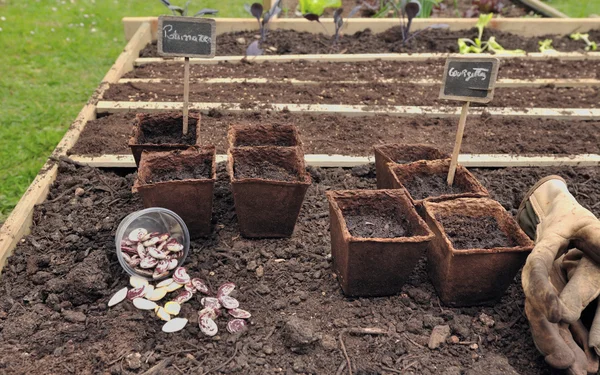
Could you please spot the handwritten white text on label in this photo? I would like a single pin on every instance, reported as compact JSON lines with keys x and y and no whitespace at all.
{"x":171,"y":34}
{"x":468,"y":75}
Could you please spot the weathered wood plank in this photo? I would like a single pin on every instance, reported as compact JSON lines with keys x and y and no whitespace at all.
{"x":323,"y":160}
{"x":355,"y":110}
{"x":416,"y":57}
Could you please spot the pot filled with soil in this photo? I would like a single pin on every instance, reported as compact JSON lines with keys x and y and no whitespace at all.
{"x":377,"y":237}
{"x":182,"y":181}
{"x":400,"y":153}
{"x":263,"y":135}
{"x":426,"y":181}
{"x":163,"y":132}
{"x":477,"y":250}
{"x":269,"y":184}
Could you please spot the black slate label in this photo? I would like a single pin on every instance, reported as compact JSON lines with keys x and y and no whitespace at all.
{"x":186,"y":36}
{"x":470,"y":79}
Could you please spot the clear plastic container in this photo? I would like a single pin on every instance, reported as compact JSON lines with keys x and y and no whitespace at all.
{"x":154,"y":219}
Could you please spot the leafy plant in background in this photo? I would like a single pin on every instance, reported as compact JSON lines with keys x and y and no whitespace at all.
{"x":546,"y":46}
{"x":466,"y":45}
{"x":589,"y":45}
{"x":339,"y":21}
{"x":317,"y":7}
{"x":256,"y":10}
{"x":484,"y":6}
{"x":184,"y":11}
{"x":427,"y":7}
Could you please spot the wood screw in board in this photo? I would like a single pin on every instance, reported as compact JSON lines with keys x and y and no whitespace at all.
{"x":186,"y":94}
{"x":458,"y":142}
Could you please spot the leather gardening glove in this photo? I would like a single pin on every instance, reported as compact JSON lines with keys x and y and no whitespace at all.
{"x":552,"y":217}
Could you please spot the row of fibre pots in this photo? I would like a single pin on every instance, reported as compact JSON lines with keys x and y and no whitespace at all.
{"x":473,"y":245}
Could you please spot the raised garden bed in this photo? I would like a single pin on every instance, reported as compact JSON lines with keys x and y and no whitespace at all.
{"x":59,"y":317}
{"x":54,"y":317}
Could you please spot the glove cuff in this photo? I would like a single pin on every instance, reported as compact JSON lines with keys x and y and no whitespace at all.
{"x":527,"y":216}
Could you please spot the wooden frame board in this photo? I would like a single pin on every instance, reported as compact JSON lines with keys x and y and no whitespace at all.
{"x":530,"y":27}
{"x":355,"y":110}
{"x":347,"y":161}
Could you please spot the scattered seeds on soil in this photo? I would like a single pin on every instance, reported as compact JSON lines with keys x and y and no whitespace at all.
{"x":144,"y":304}
{"x":174,"y":325}
{"x":118,"y":297}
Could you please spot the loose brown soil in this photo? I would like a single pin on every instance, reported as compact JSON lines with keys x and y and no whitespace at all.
{"x":375,"y":224}
{"x":165,"y":128}
{"x":264,"y":170}
{"x":468,"y":232}
{"x":372,"y":70}
{"x":54,"y":319}
{"x":336,"y":134}
{"x":187,"y":172}
{"x":431,"y":185}
{"x":249,"y":94}
{"x":285,"y":42}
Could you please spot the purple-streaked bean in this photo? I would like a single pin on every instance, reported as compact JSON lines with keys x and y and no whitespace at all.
{"x":236,"y":326}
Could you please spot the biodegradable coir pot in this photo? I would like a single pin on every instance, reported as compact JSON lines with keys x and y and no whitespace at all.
{"x":182,"y":181}
{"x":426,"y":181}
{"x":473,"y":276}
{"x":371,"y":266}
{"x":263,"y":135}
{"x":269,"y":184}
{"x":400,"y":153}
{"x":163,"y":132}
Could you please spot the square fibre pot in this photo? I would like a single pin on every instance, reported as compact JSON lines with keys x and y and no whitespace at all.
{"x":400,"y":153}
{"x":269,"y":184}
{"x":426,"y":181}
{"x":163,"y":132}
{"x":181,"y":181}
{"x":377,"y":237}
{"x":477,"y":250}
{"x":263,"y":135}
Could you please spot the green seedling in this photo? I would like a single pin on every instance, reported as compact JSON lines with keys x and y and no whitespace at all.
{"x":466,"y":45}
{"x":589,"y":45}
{"x":546,"y":46}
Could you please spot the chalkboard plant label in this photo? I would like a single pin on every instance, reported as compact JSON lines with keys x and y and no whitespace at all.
{"x":186,"y":37}
{"x":469,"y":79}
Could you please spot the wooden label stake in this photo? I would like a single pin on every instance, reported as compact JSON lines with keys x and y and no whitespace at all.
{"x":186,"y":93}
{"x":469,"y":80}
{"x":186,"y":37}
{"x":459,"y":136}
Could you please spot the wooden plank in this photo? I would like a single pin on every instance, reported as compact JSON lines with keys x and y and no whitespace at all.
{"x":543,"y":8}
{"x":18,"y":224}
{"x":503,"y":83}
{"x":528,"y":27}
{"x":405,"y":57}
{"x":356,"y":110}
{"x":347,"y":161}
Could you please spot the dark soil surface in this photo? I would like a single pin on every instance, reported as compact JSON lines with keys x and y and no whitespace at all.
{"x":187,"y":172}
{"x":286,"y":42}
{"x":468,"y":232}
{"x":383,"y":94}
{"x":166,"y":128}
{"x":264,"y":170}
{"x":336,"y":134}
{"x":372,"y":70}
{"x":54,"y":319}
{"x":375,"y":225}
{"x":431,"y":185}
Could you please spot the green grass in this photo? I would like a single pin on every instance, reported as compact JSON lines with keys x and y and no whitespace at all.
{"x":54,"y":54}
{"x":576,"y":8}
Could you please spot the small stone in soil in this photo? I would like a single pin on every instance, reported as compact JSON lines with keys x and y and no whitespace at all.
{"x":468,"y":232}
{"x":439,"y":334}
{"x":299,"y":335}
{"x":431,"y":185}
